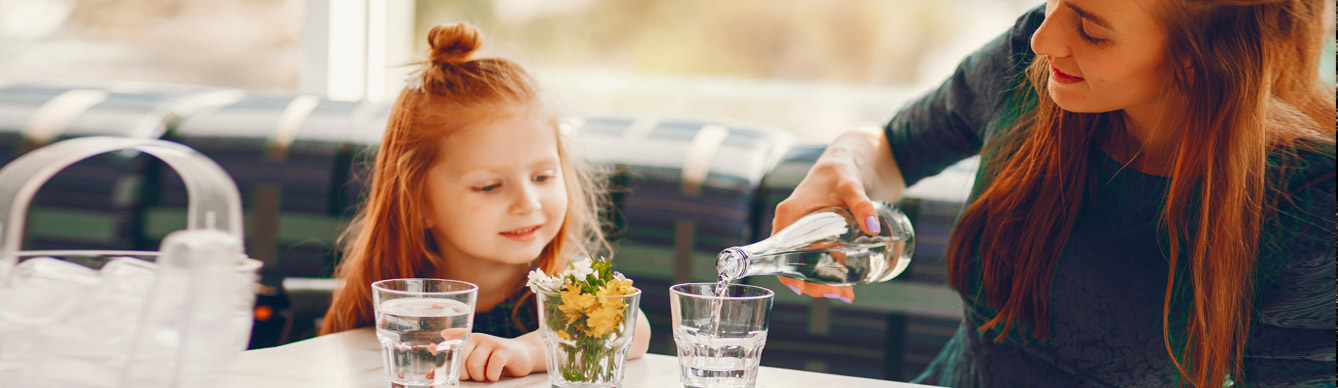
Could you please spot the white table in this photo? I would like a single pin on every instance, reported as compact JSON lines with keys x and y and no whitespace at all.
{"x":352,"y":359}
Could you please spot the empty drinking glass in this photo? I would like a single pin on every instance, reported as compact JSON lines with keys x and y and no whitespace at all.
{"x":421,"y":324}
{"x":719,"y":336}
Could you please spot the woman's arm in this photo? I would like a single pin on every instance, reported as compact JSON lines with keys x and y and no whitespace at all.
{"x":857,"y":167}
{"x":1293,"y":327}
{"x":929,"y":134}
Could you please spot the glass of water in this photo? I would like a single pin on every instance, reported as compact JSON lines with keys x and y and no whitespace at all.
{"x":720,"y":335}
{"x":421,"y":324}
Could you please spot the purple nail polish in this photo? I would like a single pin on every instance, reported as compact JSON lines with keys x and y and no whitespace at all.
{"x":872,"y":223}
{"x":838,"y":297}
{"x":795,"y":289}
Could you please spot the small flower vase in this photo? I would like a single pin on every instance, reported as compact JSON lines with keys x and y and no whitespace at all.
{"x":586,"y":336}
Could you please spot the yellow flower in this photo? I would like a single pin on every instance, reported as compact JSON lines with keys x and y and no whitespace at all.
{"x":608,"y":314}
{"x":574,"y":303}
{"x":563,"y":334}
{"x":603,"y":311}
{"x":616,"y":287}
{"x":606,"y":317}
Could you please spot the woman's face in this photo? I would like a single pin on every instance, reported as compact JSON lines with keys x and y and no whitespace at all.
{"x":1104,"y":55}
{"x":497,"y":193}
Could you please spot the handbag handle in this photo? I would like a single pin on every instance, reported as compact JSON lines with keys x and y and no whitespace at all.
{"x":214,"y":202}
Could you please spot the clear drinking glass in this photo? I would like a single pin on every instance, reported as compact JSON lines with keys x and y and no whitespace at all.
{"x":719,"y":337}
{"x":421,"y":324}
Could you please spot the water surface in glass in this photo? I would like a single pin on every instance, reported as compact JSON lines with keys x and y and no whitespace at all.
{"x":421,"y":324}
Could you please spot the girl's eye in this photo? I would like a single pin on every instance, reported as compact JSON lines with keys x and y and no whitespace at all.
{"x":545,"y":177}
{"x":488,"y":188}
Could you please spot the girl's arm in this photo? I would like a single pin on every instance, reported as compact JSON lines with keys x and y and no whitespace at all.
{"x":487,"y":357}
{"x":641,"y":339}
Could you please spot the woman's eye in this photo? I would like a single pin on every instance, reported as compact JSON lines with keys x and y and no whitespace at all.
{"x":488,"y":188}
{"x":1082,"y":31}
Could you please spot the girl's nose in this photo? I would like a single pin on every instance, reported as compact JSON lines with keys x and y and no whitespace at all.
{"x":526,"y":201}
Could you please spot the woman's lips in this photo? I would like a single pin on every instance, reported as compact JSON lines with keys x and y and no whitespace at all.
{"x":523,"y":234}
{"x":1062,"y":77}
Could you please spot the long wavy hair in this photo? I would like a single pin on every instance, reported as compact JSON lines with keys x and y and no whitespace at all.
{"x":388,"y":237}
{"x":1252,"y":90}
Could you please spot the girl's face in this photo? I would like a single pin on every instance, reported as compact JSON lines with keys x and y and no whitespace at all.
{"x":497,"y":192}
{"x":1104,"y":55}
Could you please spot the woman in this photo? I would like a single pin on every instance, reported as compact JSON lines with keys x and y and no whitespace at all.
{"x":1155,"y":205}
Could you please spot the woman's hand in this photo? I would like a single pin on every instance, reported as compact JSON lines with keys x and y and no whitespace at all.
{"x":833,"y":181}
{"x":857,"y":163}
{"x":487,"y":357}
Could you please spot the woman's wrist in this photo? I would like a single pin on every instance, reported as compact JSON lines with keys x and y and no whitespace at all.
{"x":866,"y":150}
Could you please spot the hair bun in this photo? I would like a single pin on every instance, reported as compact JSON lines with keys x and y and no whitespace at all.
{"x":453,"y":43}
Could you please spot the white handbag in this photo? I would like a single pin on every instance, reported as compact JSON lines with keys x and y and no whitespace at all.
{"x":120,"y":319}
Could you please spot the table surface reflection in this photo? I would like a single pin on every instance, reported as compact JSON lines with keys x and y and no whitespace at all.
{"x":352,"y":359}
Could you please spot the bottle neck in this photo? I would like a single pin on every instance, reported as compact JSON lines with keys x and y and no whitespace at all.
{"x":753,"y":260}
{"x":732,"y":263}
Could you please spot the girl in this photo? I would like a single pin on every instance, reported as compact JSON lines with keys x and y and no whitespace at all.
{"x":1155,"y":205}
{"x":473,"y":182}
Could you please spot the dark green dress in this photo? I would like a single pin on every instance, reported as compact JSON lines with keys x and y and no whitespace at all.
{"x":505,"y":320}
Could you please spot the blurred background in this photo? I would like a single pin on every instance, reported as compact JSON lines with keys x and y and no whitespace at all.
{"x":706,"y":113}
{"x":813,"y":67}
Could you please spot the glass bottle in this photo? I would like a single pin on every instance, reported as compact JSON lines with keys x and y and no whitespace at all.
{"x":828,"y":247}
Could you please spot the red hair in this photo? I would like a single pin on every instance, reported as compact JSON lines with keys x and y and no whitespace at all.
{"x":1251,"y":87}
{"x":388,"y":237}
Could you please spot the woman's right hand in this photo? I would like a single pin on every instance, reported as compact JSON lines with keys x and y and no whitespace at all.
{"x":856,"y":163}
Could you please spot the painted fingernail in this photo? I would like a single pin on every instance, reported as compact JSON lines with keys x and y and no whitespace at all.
{"x":837,"y":297}
{"x":872,"y":223}
{"x":795,"y":289}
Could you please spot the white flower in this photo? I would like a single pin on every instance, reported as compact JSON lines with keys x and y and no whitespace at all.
{"x":540,"y":280}
{"x":580,"y":269}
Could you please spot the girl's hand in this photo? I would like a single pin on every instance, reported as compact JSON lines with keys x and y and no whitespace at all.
{"x":486,"y":357}
{"x":857,"y":163}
